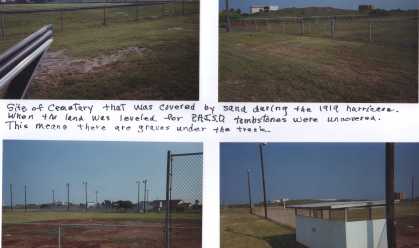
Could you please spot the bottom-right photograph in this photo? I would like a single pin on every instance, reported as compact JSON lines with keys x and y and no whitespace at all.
{"x":319,"y":195}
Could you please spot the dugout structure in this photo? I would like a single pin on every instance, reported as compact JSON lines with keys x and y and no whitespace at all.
{"x":359,"y":224}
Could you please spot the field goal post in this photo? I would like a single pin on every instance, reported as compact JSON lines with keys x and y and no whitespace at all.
{"x":190,"y":157}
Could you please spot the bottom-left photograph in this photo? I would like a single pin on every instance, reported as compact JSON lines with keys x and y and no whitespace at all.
{"x":101,"y":194}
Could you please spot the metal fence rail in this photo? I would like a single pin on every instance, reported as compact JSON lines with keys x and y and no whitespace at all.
{"x":19,"y":62}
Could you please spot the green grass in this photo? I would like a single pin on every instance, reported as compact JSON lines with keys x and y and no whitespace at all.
{"x":168,"y":69}
{"x":18,"y":217}
{"x":239,"y":229}
{"x":267,"y":64}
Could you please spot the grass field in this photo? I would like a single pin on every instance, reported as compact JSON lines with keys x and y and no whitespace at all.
{"x":98,"y":229}
{"x":153,"y":58}
{"x":239,"y":229}
{"x":274,"y":62}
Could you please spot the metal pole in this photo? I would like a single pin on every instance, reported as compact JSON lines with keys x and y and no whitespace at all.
{"x":11,"y":197}
{"x":104,"y":16}
{"x":138,"y":195}
{"x":25,"y":199}
{"x":183,"y":7}
{"x":68,"y":196}
{"x":391,"y":234}
{"x":61,"y":21}
{"x":263,"y":181}
{"x":53,"y":198}
{"x":169,"y":156}
{"x":302,"y":25}
{"x":3,"y":32}
{"x":145,"y":194}
{"x":59,"y":236}
{"x":85,"y":193}
{"x":250,"y":192}
{"x":413,"y":188}
{"x":136,"y":13}
{"x":96,"y":196}
{"x":228,"y":22}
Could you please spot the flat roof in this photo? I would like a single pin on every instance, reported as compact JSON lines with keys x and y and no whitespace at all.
{"x":339,"y":205}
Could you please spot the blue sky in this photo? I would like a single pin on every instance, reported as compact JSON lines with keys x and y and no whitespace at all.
{"x":112,"y":168}
{"x":244,"y":5}
{"x":314,"y":170}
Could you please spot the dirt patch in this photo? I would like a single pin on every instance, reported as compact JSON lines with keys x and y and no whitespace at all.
{"x":407,"y":229}
{"x":56,"y":63}
{"x":134,"y":235}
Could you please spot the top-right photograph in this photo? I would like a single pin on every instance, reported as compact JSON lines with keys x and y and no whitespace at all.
{"x":318,"y":51}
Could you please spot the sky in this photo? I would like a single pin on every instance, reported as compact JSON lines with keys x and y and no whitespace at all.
{"x":112,"y":168}
{"x":244,"y":5}
{"x":314,"y":171}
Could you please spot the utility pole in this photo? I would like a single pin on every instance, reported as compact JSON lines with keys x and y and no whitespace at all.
{"x":265,"y":205}
{"x":68,"y":196}
{"x":25,"y":199}
{"x":96,"y":196}
{"x":413,"y":188}
{"x":391,"y":234}
{"x":11,"y":197}
{"x":145,"y":194}
{"x":85,"y":193}
{"x":250,"y":192}
{"x":227,"y":16}
{"x":53,"y":198}
{"x":138,"y":195}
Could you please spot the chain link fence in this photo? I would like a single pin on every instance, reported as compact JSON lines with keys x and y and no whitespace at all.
{"x":398,"y":31}
{"x":184,"y":198}
{"x":15,"y":22}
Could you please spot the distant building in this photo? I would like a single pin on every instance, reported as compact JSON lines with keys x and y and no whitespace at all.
{"x":259,"y":8}
{"x":399,"y":196}
{"x":366,"y":8}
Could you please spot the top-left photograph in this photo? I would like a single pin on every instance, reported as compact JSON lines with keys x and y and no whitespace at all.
{"x":121,"y":50}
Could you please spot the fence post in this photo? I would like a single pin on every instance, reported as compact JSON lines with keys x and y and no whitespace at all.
{"x":3,"y":32}
{"x":372,"y":31}
{"x":136,"y":13}
{"x":302,"y":25}
{"x":332,"y":28}
{"x":169,"y":157}
{"x":59,"y":235}
{"x":61,"y":21}
{"x":183,"y":7}
{"x":104,"y":16}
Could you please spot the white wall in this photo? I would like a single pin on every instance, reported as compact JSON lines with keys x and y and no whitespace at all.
{"x":318,"y":233}
{"x":366,"y":234}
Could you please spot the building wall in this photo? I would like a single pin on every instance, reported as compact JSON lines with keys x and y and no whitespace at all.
{"x":366,"y":234}
{"x":320,"y":233}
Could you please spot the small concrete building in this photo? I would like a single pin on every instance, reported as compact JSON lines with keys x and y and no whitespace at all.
{"x":366,"y":8}
{"x":263,"y":8}
{"x":359,"y":224}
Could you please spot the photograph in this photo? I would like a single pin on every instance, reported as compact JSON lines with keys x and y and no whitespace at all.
{"x":318,"y":51}
{"x":82,"y":194}
{"x":319,"y":195}
{"x":99,"y":50}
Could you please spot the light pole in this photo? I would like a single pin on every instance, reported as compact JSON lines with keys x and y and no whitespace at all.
{"x":145,"y":194}
{"x":85,"y":193}
{"x":25,"y":199}
{"x":250,"y":192}
{"x":138,"y":195}
{"x":97,"y":192}
{"x":68,"y":196}
{"x":390,"y":158}
{"x":265,"y":206}
{"x":53,"y":198}
{"x":228,"y":22}
{"x":11,"y":197}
